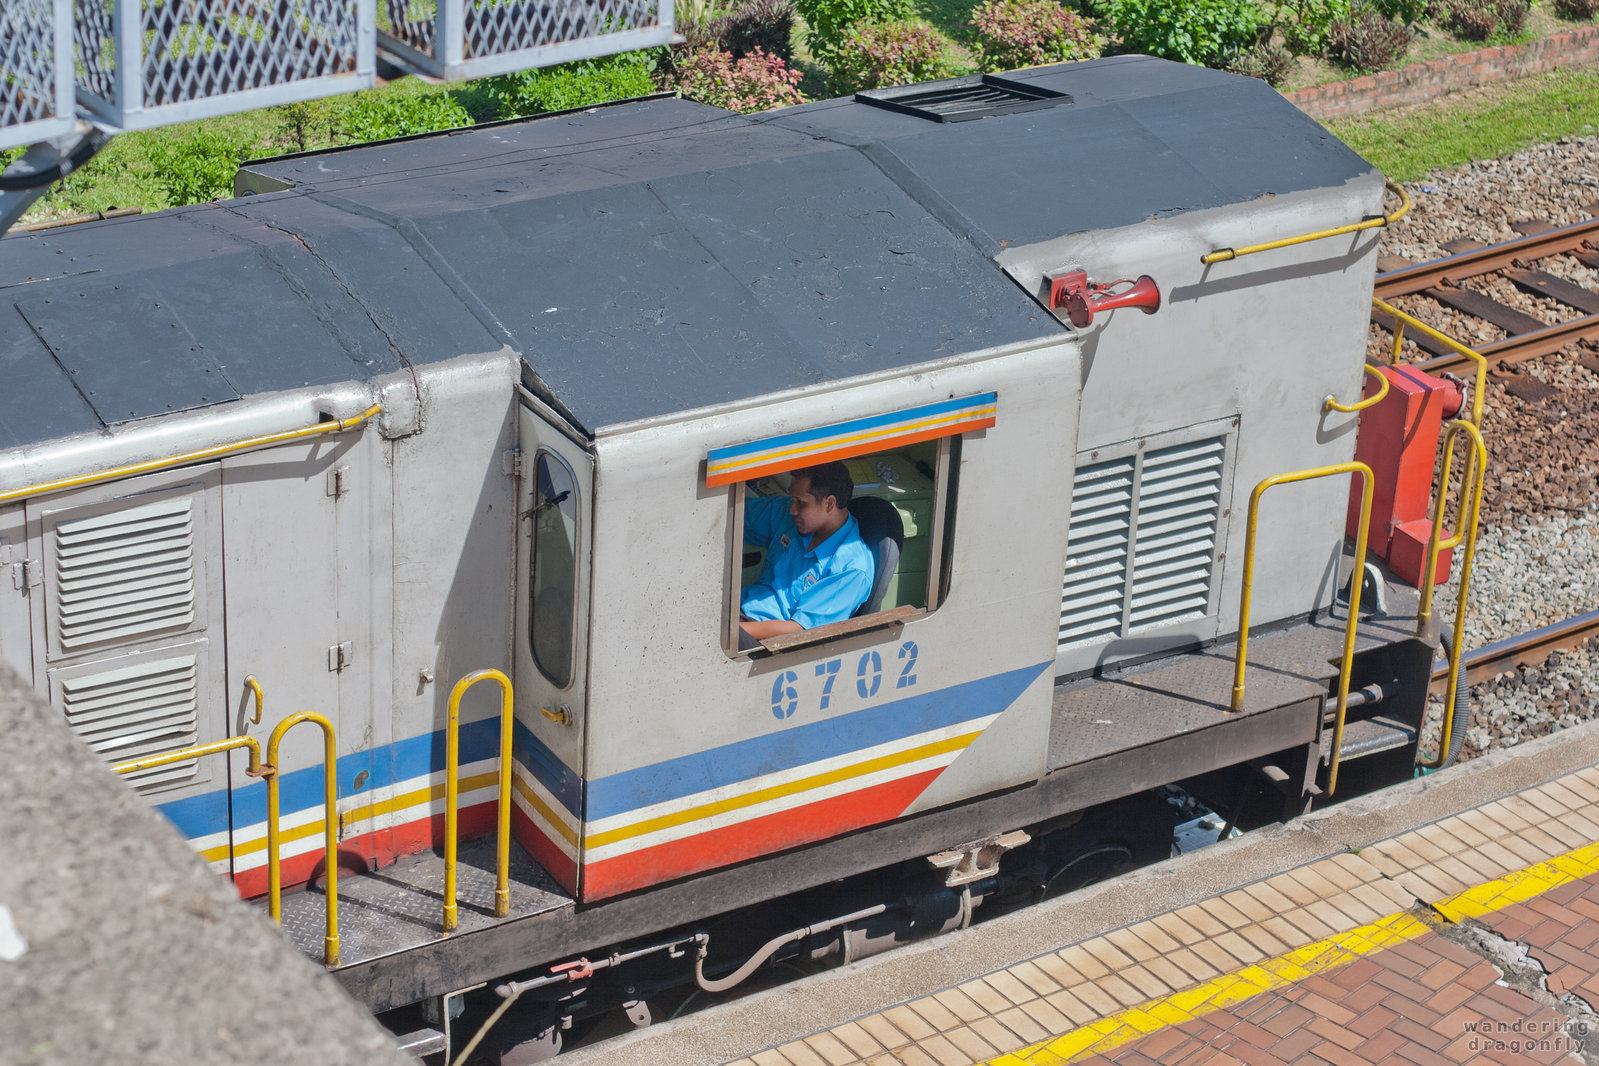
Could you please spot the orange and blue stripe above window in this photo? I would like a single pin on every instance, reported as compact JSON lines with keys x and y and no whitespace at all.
{"x":773,"y":455}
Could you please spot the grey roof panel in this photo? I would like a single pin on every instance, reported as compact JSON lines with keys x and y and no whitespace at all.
{"x":645,"y":299}
{"x":126,"y":348}
{"x":645,"y":258}
{"x":38,"y":401}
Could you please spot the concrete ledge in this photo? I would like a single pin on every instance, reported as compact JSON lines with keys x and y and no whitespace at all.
{"x":1420,"y":83}
{"x":135,"y":951}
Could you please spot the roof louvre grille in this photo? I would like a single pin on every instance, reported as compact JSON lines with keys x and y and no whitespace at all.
{"x":962,"y":99}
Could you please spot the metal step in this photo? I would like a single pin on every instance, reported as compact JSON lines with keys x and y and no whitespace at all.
{"x":422,"y":1042}
{"x":1370,"y":736}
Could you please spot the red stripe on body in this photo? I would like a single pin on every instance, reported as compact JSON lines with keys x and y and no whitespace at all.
{"x":373,"y":850}
{"x":758,"y":836}
{"x":536,"y":839}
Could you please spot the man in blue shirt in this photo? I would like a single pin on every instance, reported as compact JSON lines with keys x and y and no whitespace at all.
{"x":818,"y":570}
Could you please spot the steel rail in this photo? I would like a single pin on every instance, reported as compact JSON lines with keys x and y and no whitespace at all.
{"x":1512,"y":349}
{"x":1530,"y":648}
{"x":1422,"y":276}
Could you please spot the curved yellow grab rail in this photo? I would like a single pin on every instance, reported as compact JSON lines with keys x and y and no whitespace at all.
{"x":213,"y":452}
{"x":255,"y":768}
{"x":330,"y":826}
{"x":1222,"y":255}
{"x":1354,"y":592}
{"x":1401,"y":320}
{"x":452,"y":795}
{"x":1331,"y":402}
{"x":260,"y":699}
{"x":1471,"y":500}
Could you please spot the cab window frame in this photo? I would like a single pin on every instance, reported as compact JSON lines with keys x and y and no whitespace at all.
{"x":939,"y":533}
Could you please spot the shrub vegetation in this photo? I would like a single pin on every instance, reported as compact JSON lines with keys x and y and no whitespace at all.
{"x":1028,"y":33}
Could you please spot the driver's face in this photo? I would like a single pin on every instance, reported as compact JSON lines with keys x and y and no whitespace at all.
{"x":808,"y":513}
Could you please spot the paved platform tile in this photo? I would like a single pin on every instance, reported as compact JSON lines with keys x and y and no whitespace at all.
{"x":1339,"y":961}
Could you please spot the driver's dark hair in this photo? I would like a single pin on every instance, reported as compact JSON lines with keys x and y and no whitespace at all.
{"x":829,"y":479}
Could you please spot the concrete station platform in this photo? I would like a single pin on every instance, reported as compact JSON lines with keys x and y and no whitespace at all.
{"x":1453,"y":919}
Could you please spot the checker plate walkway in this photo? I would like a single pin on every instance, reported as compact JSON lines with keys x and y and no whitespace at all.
{"x":1471,"y":938}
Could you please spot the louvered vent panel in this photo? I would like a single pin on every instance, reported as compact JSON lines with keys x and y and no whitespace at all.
{"x":125,"y":575}
{"x":1096,"y":554}
{"x":1179,"y":497}
{"x":137,"y":711}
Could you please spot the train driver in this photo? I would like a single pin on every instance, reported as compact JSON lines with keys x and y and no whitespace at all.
{"x":817,"y":570}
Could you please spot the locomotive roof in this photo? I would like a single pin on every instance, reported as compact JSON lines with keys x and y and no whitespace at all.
{"x":645,"y":258}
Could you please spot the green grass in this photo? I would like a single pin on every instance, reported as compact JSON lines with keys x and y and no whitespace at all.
{"x":1408,"y":145}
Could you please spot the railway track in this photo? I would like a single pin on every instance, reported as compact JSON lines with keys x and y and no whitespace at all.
{"x":1531,"y":648}
{"x":1526,"y":337}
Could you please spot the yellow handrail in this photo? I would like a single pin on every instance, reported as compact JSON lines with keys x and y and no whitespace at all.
{"x":1331,"y":402}
{"x":452,"y":797}
{"x":1354,"y":592}
{"x":260,"y":698}
{"x":1471,"y":499}
{"x":255,"y":768}
{"x":1222,"y":255}
{"x":330,"y":825}
{"x":1401,"y":320}
{"x":213,"y":452}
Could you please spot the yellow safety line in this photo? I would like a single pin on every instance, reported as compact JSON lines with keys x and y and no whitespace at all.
{"x":804,"y":784}
{"x":1228,"y":990}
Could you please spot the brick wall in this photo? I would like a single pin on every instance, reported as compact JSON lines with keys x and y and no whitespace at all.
{"x":1421,"y":82}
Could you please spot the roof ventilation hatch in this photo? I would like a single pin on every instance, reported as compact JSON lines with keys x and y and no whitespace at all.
{"x":962,"y":99}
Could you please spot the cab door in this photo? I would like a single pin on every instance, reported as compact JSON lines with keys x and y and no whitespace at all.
{"x":554,"y":509}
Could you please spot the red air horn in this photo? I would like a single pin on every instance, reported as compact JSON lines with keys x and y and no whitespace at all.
{"x":1072,"y":291}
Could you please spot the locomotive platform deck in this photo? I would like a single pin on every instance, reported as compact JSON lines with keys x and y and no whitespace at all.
{"x":1175,"y":697}
{"x":1448,"y":920}
{"x":401,"y":906}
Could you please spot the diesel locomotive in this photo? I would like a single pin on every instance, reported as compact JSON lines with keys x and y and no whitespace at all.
{"x":492,"y":403}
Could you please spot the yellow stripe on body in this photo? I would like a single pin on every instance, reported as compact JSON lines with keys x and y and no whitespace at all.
{"x":804,"y":784}
{"x":355,"y":815}
{"x":886,"y":433}
{"x":1132,"y":1024}
{"x":544,"y":810}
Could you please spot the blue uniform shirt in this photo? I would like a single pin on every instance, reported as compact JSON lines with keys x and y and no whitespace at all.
{"x":812,"y":588}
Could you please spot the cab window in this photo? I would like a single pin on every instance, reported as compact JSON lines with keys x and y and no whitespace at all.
{"x":906,"y":490}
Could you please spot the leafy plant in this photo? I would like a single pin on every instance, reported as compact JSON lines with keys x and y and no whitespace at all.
{"x":1306,"y":25}
{"x":307,"y":122}
{"x":1028,"y":33}
{"x":754,"y":82}
{"x":580,"y":84}
{"x":1189,"y":31}
{"x":1369,"y":40}
{"x":878,"y":55}
{"x":829,"y":23}
{"x":198,"y":167}
{"x":1583,"y":10}
{"x":378,"y":116}
{"x":1479,"y":20}
{"x":1409,"y":12}
{"x":1271,"y":63}
{"x":758,"y":25}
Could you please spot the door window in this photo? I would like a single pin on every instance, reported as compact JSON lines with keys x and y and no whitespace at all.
{"x":553,"y":576}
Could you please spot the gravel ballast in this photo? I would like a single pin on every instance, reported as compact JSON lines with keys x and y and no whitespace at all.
{"x":1538,"y":551}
